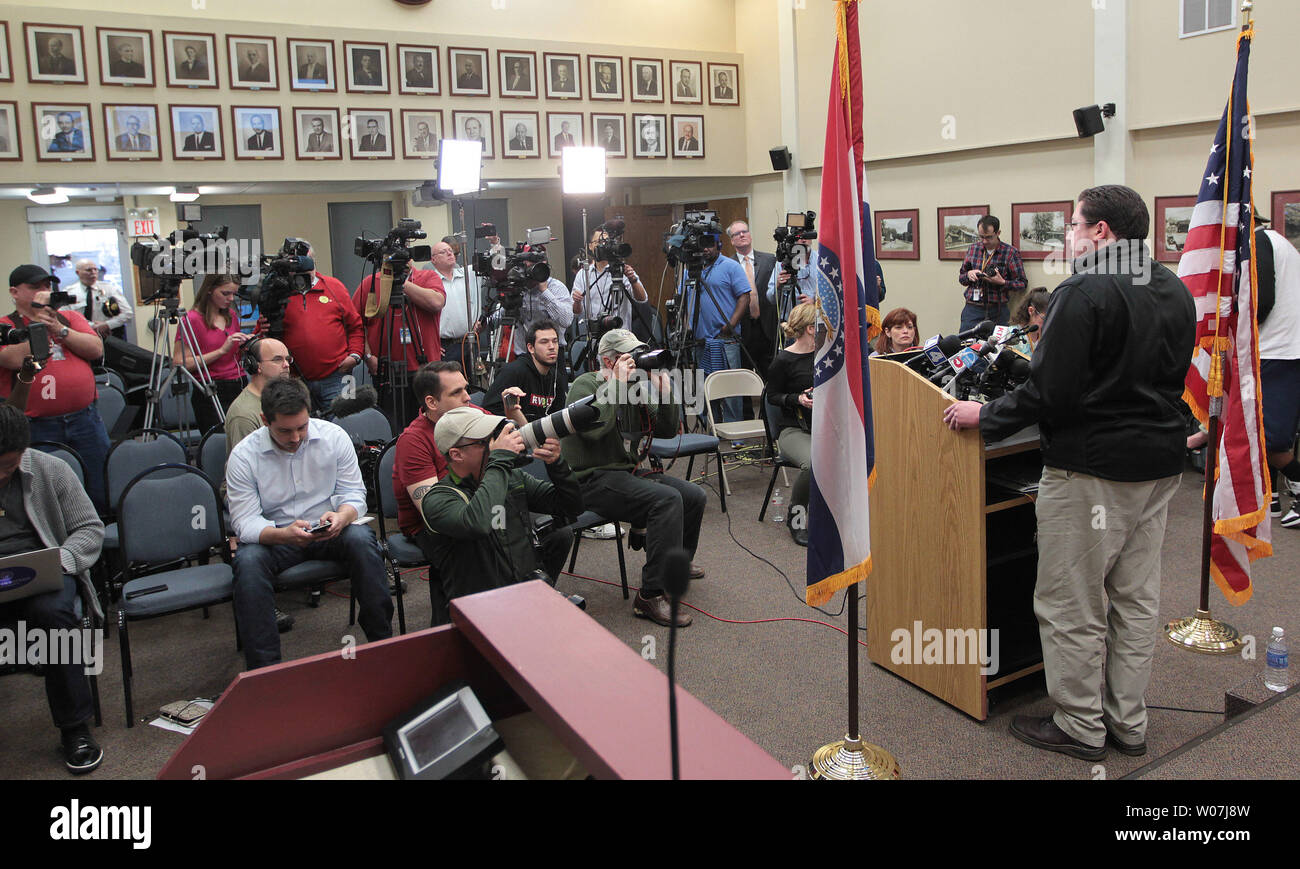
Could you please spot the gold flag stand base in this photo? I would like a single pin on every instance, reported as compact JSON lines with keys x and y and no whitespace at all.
{"x":1200,"y":633}
{"x":850,"y":759}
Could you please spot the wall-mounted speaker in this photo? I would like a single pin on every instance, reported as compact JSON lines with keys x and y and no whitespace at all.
{"x":1088,"y":121}
{"x":780,"y":158}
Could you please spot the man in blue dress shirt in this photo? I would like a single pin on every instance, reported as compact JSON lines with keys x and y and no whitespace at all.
{"x":724,"y":303}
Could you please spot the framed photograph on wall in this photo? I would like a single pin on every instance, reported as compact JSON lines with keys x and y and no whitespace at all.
{"x":256,"y":131}
{"x":1173,"y":218}
{"x":564,"y":130}
{"x":131,"y":132}
{"x":311,"y":65}
{"x":1286,"y":215}
{"x":11,"y":143}
{"x":724,"y":84}
{"x":63,"y":131}
{"x":6,"y":63}
{"x":519,"y":136}
{"x":1038,"y":228}
{"x":316,"y":134}
{"x":609,"y":132}
{"x":370,"y":134}
{"x":645,"y":79}
{"x":651,"y":132}
{"x":421,"y":133}
{"x":684,"y":81}
{"x":688,"y":135}
{"x":196,"y":133}
{"x":518,"y":73}
{"x":418,"y":70}
{"x":958,"y":229}
{"x":55,"y":53}
{"x":604,"y":77}
{"x":474,"y":126}
{"x":898,"y":234}
{"x":125,"y":57}
{"x":468,"y":72}
{"x":563,"y":78}
{"x":191,"y":59}
{"x":367,"y":67}
{"x":253,"y":64}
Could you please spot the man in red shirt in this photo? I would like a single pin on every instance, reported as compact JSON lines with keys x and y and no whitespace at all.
{"x":425,"y":296}
{"x":324,"y":333}
{"x":61,"y":403}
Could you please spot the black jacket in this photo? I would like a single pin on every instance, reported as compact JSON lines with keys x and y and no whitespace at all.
{"x":759,"y":336}
{"x":543,"y":394}
{"x":1106,"y":379}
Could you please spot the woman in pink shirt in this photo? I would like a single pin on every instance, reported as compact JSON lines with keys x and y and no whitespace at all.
{"x":216,"y":327}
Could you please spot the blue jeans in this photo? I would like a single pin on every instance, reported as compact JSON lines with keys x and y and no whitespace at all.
{"x":324,"y":391}
{"x":972,"y":313}
{"x":257,"y":566}
{"x":84,"y":432}
{"x":66,"y":687}
{"x":719,"y":355}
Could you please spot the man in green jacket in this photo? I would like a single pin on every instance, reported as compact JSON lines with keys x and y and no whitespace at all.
{"x":632,"y":408}
{"x":483,"y":536}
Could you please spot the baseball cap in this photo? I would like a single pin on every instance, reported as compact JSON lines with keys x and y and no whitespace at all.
{"x":619,"y":341}
{"x":28,"y":274}
{"x":464,"y":422}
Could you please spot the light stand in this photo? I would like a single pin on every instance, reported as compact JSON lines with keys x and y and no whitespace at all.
{"x":582,"y":173}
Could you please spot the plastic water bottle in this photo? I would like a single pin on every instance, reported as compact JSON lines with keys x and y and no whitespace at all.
{"x":1276,"y":675}
{"x":778,"y":507}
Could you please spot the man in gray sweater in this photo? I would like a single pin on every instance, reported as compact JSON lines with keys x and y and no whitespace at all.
{"x":43,"y":506}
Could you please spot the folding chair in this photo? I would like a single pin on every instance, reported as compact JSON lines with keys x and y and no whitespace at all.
{"x":779,"y":462}
{"x":732,"y":383}
{"x":589,"y":519}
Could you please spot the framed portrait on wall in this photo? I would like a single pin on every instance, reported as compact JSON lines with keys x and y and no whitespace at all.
{"x":1173,"y":219}
{"x":367,"y":67}
{"x":421,"y":133}
{"x":898,"y":234}
{"x":469,"y":75}
{"x":196,"y":133}
{"x":564,"y":130}
{"x":474,"y":127}
{"x":518,"y":73}
{"x":131,"y":132}
{"x":563,"y":78}
{"x":191,"y":59}
{"x":958,"y":229}
{"x":651,"y":132}
{"x":645,"y":79}
{"x":1038,"y":228}
{"x":311,"y":65}
{"x":604,"y":77}
{"x":1286,"y":215}
{"x":55,"y":54}
{"x":316,"y":134}
{"x":253,"y":64}
{"x":125,"y":57}
{"x":370,"y":134}
{"x":6,"y":63}
{"x":685,"y":81}
{"x":418,"y":70}
{"x":724,"y":84}
{"x":257,"y":133}
{"x":11,"y":143}
{"x":609,"y":132}
{"x":519,"y":136}
{"x":63,"y":132}
{"x":688,"y":135}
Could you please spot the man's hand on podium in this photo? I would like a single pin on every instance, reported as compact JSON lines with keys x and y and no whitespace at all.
{"x":962,"y":414}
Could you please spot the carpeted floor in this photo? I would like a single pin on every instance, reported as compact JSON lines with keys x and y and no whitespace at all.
{"x":757,"y":656}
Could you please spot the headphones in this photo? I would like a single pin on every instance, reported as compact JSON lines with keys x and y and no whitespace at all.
{"x":251,"y":358}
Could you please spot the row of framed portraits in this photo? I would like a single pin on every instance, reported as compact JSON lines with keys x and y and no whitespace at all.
{"x":1174,"y":216}
{"x":64,"y":132}
{"x":56,"y":54}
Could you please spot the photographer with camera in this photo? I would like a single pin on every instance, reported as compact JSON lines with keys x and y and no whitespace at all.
{"x":594,"y":296}
{"x":61,"y":406}
{"x":723,"y":303}
{"x":669,"y":508}
{"x":479,"y":514}
{"x":534,"y":384}
{"x":214,"y":323}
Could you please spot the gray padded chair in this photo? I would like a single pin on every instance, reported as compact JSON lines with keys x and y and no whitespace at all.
{"x":398,"y":551}
{"x":111,"y":405}
{"x":366,"y":425}
{"x":65,"y":452}
{"x":157,"y":509}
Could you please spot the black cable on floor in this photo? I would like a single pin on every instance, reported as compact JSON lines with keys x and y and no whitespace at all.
{"x":1181,"y":709}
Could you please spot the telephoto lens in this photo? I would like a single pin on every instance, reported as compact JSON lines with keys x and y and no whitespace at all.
{"x":579,"y":416}
{"x":653,"y":360}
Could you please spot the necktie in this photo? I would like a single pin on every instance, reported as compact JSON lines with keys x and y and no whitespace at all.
{"x":749,"y":272}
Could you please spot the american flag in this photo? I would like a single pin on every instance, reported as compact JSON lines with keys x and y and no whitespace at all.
{"x":839,"y":535}
{"x":1217,"y":265}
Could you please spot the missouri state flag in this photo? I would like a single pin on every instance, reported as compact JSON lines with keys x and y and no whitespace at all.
{"x":843,"y":448}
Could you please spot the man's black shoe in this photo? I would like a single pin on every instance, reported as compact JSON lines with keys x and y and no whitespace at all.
{"x":636,"y":538}
{"x":800,"y":535}
{"x":579,"y":601}
{"x":81,"y":753}
{"x":392,"y":587}
{"x":1132,"y":750}
{"x":1043,"y":733}
{"x":658,"y":610}
{"x":283,"y":621}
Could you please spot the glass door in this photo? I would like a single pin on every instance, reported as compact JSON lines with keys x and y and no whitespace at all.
{"x":59,"y":246}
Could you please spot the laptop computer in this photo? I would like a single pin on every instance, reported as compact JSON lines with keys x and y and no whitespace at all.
{"x":30,"y":573}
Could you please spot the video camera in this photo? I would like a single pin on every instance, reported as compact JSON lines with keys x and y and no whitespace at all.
{"x":287,"y":271}
{"x":395,"y":251}
{"x":684,"y":243}
{"x":611,"y":247}
{"x":792,"y":248}
{"x":161,"y":264}
{"x":507,"y":273}
{"x":37,"y":334}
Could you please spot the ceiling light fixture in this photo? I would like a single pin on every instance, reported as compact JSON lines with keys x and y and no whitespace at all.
{"x":185,"y":193}
{"x":47,"y":196}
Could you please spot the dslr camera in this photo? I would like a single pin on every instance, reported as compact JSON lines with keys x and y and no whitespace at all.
{"x":285,"y":272}
{"x":792,"y":248}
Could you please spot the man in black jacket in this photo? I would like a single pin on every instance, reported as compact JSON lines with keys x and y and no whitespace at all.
{"x":1104,"y":388}
{"x":534,"y":384}
{"x":759,"y":332}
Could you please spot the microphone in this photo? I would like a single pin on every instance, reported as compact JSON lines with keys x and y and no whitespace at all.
{"x":983,"y":330}
{"x":677,"y":577}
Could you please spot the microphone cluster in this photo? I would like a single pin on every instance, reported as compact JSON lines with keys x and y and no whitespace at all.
{"x":976,"y":363}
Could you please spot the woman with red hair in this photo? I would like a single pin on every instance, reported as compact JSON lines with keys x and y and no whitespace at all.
{"x":898,"y":332}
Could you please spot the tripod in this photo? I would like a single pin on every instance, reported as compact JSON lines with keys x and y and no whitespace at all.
{"x":162,"y":375}
{"x":393,"y":372}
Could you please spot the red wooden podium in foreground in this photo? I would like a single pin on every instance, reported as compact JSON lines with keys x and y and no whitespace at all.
{"x":522,"y":649}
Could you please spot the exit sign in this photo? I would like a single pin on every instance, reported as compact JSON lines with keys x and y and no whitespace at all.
{"x":144,"y":227}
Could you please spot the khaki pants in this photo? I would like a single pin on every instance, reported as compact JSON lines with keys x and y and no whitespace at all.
{"x":1098,"y":536}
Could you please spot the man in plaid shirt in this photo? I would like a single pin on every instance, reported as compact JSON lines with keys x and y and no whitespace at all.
{"x":990,"y":271}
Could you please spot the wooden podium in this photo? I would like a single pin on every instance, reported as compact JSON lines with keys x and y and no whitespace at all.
{"x":526,"y":652}
{"x":953,"y":545}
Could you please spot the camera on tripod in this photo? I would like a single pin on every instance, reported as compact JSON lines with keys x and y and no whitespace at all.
{"x":161,"y":264}
{"x":792,"y":248}
{"x":289,"y":270}
{"x":506,"y":273}
{"x":684,"y":243}
{"x":611,"y":247}
{"x":394,"y":251}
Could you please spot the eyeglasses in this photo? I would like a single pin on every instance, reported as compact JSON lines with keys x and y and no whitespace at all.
{"x":1075,"y":224}
{"x":281,"y":360}
{"x":738,"y":232}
